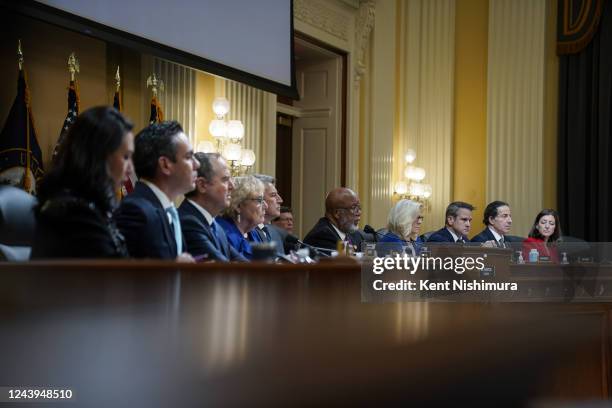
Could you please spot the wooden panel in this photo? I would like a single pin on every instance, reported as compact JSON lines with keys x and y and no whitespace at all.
{"x":583,"y":373}
{"x":163,"y":334}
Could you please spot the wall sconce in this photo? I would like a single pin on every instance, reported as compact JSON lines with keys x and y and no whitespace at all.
{"x":228,"y":135}
{"x":413,"y":187}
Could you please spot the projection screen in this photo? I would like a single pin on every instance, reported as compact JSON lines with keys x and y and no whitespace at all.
{"x":244,"y":40}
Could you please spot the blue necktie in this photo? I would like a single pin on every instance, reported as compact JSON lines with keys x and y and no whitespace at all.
{"x":176,"y":225}
{"x":266,"y":234}
{"x":213,"y":228}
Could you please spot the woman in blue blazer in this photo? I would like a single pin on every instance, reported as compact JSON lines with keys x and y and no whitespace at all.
{"x":246,"y":211}
{"x":404,"y":226}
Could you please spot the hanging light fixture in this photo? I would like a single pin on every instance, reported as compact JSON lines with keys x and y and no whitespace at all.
{"x":413,"y":188}
{"x":228,"y":135}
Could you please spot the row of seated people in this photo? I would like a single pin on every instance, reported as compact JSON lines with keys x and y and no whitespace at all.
{"x":405,"y":219}
{"x":79,"y":216}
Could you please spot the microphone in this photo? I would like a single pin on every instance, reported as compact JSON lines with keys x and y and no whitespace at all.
{"x":369,"y":230}
{"x":292,"y":240}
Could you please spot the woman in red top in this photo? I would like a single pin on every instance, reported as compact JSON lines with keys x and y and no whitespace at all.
{"x":544,"y":235}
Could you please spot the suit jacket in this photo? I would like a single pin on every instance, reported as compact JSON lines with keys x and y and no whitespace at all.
{"x":443,"y":235}
{"x":69,"y":226}
{"x":323,"y":235}
{"x":485,"y":235}
{"x":144,"y":223}
{"x":392,"y":242}
{"x":235,"y":238}
{"x":282,"y":235}
{"x":200,"y":239}
{"x":259,"y":235}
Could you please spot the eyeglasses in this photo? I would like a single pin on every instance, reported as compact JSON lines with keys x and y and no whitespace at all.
{"x":354,"y":209}
{"x":260,"y":200}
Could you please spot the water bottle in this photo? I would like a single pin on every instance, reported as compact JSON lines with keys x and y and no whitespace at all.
{"x":533,"y":255}
{"x":564,"y":260}
{"x":519,"y":258}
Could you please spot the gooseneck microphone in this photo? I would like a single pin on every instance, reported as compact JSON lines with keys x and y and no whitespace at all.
{"x":369,"y":230}
{"x":319,"y":251}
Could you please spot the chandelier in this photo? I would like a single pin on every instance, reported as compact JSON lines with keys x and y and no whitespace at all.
{"x":228,"y":135}
{"x":413,"y":187}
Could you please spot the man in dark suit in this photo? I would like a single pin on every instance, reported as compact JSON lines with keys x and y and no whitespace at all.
{"x":342,"y":214}
{"x":147,"y":218}
{"x":205,"y":239}
{"x":266,"y":232}
{"x":457,"y":226}
{"x":498,"y":221}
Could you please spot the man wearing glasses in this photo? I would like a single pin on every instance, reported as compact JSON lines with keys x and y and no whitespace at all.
{"x":342,"y":214}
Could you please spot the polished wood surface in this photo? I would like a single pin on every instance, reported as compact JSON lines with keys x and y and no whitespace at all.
{"x":146,"y":333}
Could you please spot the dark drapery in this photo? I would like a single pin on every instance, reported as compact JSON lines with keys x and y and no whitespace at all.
{"x":577,"y":22}
{"x":585,"y":149}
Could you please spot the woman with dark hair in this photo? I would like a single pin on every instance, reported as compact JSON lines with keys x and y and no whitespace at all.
{"x":544,"y":234}
{"x":78,"y":196}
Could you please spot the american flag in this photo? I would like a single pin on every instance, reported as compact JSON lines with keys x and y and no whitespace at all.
{"x":73,"y":112}
{"x":20,"y":155}
{"x":157,"y":114}
{"x":128,"y":184}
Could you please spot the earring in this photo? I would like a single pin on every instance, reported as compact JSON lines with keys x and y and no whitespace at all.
{"x":238,"y":218}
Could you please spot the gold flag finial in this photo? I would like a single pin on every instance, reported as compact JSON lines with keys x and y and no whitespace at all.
{"x":155,"y":84}
{"x":19,"y":55}
{"x":73,"y":65}
{"x":117,"y":79}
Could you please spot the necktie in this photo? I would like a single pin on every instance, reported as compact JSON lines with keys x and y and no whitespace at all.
{"x":267,"y":236}
{"x":176,"y":226}
{"x":501,"y":243}
{"x":213,"y":228}
{"x":461,"y":240}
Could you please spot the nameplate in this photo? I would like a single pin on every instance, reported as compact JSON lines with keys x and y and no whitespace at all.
{"x":487,"y":272}
{"x":544,"y":258}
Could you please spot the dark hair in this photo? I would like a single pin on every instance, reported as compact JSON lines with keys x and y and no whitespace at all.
{"x":153,"y":142}
{"x":206,"y":168}
{"x":534,"y":233}
{"x":283,"y":209}
{"x":491,"y":210}
{"x":81,"y":163}
{"x":453,"y":208}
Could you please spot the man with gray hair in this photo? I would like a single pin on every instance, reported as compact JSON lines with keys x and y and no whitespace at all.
{"x":205,"y":239}
{"x":266,"y":232}
{"x":458,"y":224}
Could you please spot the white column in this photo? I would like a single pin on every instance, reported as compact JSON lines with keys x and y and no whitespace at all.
{"x":515,"y":107}
{"x":426,"y":96}
{"x":381,"y":105}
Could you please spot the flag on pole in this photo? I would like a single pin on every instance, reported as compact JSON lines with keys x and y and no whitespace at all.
{"x":128,"y":185}
{"x":73,"y":112}
{"x":157,"y":115}
{"x":117,"y":101}
{"x":20,"y":155}
{"x":156,"y":84}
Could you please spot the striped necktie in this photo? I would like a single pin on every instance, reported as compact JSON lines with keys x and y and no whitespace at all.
{"x":176,"y":226}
